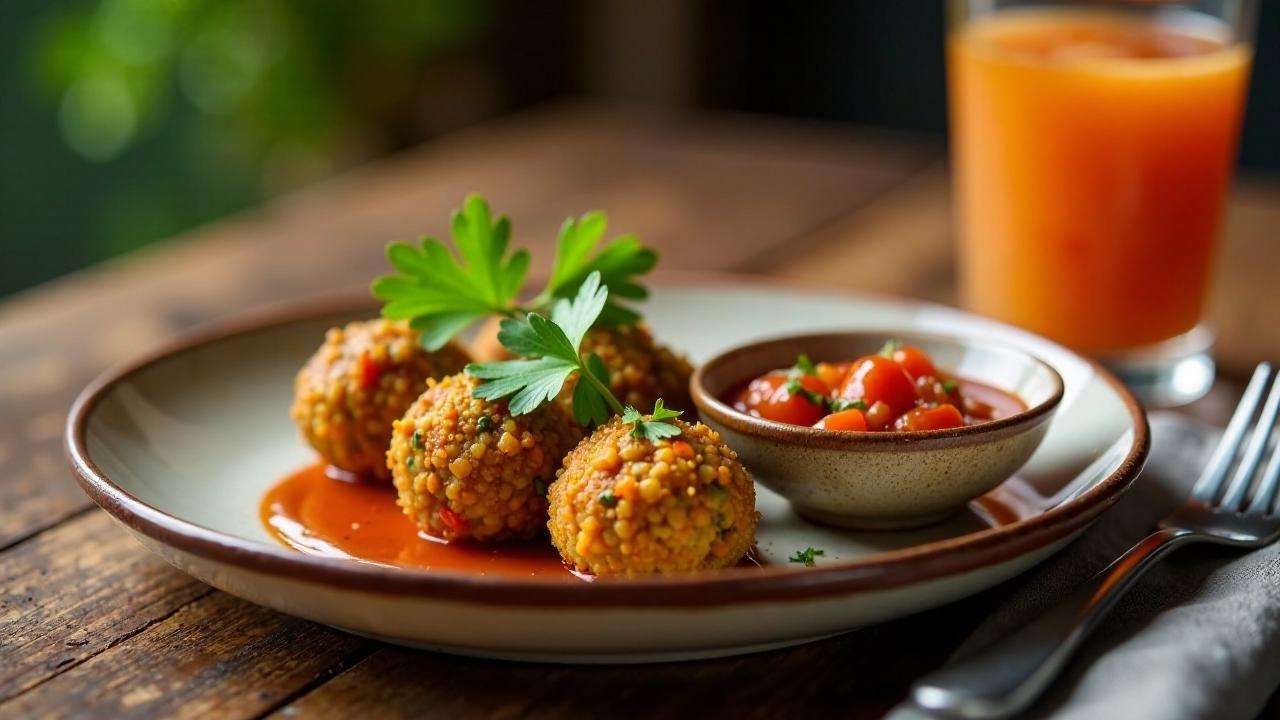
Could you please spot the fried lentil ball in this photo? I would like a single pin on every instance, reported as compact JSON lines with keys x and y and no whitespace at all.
{"x":640,"y":370}
{"x":358,"y":383}
{"x":629,"y":506}
{"x":465,"y":468}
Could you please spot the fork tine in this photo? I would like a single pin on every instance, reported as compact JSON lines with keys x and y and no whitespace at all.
{"x":1252,"y":458}
{"x":1210,"y":482}
{"x":1265,"y":495}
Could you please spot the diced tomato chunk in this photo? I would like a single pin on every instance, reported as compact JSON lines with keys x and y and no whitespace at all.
{"x":914,"y":361}
{"x":833,"y":374}
{"x":452,"y":520}
{"x":368,"y":370}
{"x":769,"y":397}
{"x":941,"y":417}
{"x":874,"y":378}
{"x":847,"y":420}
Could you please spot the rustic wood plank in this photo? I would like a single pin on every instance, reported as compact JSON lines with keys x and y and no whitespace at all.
{"x":709,"y":193}
{"x":75,"y":591}
{"x":900,"y":244}
{"x":859,"y":675}
{"x":216,"y":657}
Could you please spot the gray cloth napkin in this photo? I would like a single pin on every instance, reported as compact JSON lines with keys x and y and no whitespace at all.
{"x":1198,"y":637}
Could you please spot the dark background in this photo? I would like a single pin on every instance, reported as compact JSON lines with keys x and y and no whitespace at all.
{"x":124,"y":122}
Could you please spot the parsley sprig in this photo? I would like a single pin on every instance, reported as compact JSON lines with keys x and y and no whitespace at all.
{"x":550,"y":350}
{"x":795,"y":385}
{"x":441,"y":291}
{"x":654,"y":426}
{"x":890,"y":347}
{"x":619,"y":262}
{"x":807,"y":557}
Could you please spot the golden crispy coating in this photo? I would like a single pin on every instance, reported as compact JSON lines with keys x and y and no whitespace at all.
{"x":359,"y":382}
{"x":465,"y":468}
{"x":628,"y":506}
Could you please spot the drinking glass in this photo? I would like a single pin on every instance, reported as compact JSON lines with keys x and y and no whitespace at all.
{"x":1092,"y":146}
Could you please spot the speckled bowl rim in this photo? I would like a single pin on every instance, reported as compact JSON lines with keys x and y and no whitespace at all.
{"x":883,"y":571}
{"x":770,"y":431}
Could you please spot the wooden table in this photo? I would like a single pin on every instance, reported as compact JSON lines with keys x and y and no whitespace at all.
{"x":93,"y":624}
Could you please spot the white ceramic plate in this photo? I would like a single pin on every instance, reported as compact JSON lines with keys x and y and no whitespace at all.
{"x":181,"y":446}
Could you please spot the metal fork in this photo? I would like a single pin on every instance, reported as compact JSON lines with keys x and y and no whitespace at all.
{"x":1008,"y":676}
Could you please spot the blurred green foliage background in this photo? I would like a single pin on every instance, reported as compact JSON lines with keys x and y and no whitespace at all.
{"x":131,"y":120}
{"x":127,"y":121}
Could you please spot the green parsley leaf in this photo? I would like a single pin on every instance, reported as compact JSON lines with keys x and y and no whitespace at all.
{"x":662,"y":412}
{"x":589,"y":406}
{"x":804,"y":366}
{"x":576,"y":317}
{"x":652,"y":427}
{"x":889,"y":348}
{"x":841,"y":404}
{"x":806,"y":556}
{"x":607,"y":498}
{"x":795,"y":387}
{"x":950,"y":385}
{"x":620,"y":262}
{"x":529,"y":382}
{"x":552,"y":356}
{"x":442,"y":291}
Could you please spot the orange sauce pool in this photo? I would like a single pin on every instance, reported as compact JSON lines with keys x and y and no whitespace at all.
{"x":1092,"y":153}
{"x":316,"y":514}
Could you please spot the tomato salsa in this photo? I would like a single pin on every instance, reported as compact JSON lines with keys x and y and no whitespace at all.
{"x":897,"y":389}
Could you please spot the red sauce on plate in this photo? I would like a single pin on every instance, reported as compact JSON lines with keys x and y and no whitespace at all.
{"x":317,"y":514}
{"x":332,"y":515}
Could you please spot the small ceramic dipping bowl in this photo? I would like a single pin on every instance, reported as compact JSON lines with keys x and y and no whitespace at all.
{"x":881,"y":480}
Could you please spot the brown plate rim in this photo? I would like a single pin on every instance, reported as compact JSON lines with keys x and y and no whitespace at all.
{"x":883,"y":571}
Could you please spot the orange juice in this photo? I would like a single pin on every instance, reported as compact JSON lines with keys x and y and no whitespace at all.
{"x":1092,"y":154}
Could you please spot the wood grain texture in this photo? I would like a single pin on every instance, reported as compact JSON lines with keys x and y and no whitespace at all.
{"x":859,"y":675}
{"x":75,"y":591}
{"x":217,"y":657}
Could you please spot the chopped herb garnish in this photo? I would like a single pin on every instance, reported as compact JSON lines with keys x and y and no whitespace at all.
{"x":806,"y":556}
{"x":652,"y":427}
{"x":540,"y":486}
{"x":607,"y":498}
{"x":410,"y":462}
{"x":484,"y":424}
{"x":441,"y":290}
{"x":795,"y":387}
{"x":840,"y":405}
{"x":890,"y":347}
{"x":949,"y":385}
{"x":803,"y":366}
{"x":415,"y":440}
